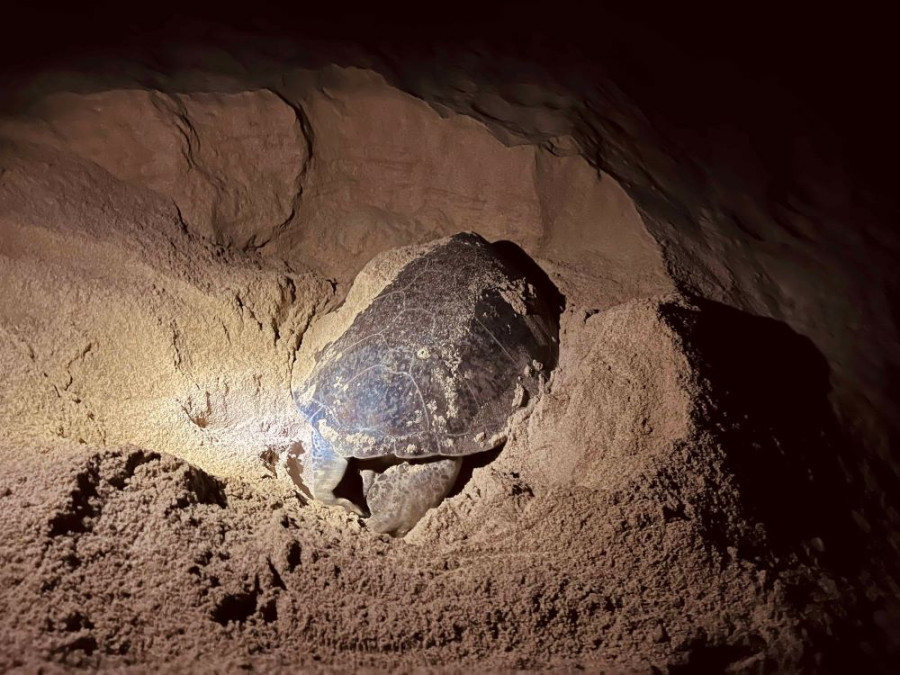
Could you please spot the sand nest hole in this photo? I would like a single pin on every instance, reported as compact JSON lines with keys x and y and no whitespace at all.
{"x":157,"y":286}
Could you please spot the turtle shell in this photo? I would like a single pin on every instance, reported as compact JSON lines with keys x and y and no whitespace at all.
{"x":438,"y":361}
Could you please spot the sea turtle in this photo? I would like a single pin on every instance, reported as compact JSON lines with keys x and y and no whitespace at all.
{"x":430,"y":371}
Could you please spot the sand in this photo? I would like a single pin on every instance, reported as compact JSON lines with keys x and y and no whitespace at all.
{"x":674,"y":501}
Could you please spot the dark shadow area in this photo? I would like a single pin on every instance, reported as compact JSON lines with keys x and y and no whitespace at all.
{"x":239,"y":607}
{"x":767,"y":389}
{"x":692,"y":67}
{"x":704,"y":658}
{"x":469,"y":464}
{"x":351,"y":485}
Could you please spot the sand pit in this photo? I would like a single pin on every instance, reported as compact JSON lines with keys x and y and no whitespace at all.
{"x":163,"y":255}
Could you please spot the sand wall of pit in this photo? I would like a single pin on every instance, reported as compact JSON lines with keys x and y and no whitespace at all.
{"x":166,"y":251}
{"x":754,"y":210}
{"x":119,"y":326}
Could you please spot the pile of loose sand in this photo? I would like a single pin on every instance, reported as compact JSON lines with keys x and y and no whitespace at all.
{"x":162,"y":256}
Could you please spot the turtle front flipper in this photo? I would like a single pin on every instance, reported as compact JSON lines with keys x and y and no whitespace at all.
{"x":400,"y":496}
{"x":322,"y":473}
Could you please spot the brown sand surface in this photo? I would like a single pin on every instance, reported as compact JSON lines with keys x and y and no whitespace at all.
{"x":163,"y":253}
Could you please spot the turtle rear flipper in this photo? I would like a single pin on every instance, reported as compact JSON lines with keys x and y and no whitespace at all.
{"x":400,"y":496}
